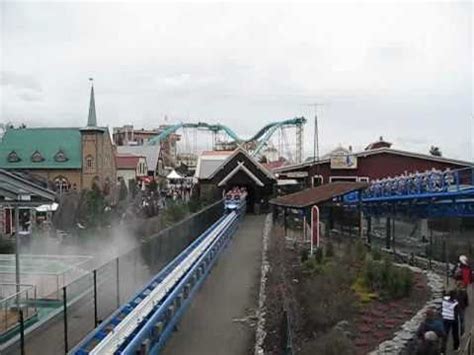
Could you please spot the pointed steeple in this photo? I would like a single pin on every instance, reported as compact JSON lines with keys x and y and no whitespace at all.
{"x":92,"y":119}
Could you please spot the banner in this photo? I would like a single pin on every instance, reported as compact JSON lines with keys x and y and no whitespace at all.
{"x":344,"y":161}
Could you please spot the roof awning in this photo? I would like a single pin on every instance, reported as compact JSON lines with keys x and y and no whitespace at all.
{"x":48,"y":207}
{"x":316,"y":195}
{"x":174,"y":175}
{"x":285,"y":182}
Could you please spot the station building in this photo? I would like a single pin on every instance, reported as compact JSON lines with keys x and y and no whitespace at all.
{"x":220,"y":171}
{"x":33,"y":203}
{"x":64,"y":159}
{"x":378,"y":160}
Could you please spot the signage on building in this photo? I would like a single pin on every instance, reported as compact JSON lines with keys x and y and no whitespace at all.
{"x":297,"y":174}
{"x":344,"y":161}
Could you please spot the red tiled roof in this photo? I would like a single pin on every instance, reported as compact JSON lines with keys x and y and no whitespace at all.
{"x":274,"y":164}
{"x":127,"y":161}
{"x":315,"y":195}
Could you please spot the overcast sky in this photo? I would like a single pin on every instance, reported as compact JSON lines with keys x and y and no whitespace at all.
{"x":401,"y":70}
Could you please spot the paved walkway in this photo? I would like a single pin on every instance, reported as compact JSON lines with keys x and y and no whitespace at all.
{"x":211,"y":324}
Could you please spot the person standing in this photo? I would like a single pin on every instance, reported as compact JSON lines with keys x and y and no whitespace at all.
{"x":466,"y":271}
{"x":463,"y":301}
{"x":449,"y":312}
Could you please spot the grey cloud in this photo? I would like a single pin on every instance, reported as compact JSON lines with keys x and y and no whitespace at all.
{"x":30,"y":96}
{"x":413,"y":141}
{"x":20,"y":81}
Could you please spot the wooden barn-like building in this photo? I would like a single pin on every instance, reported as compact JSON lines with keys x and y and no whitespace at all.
{"x":220,"y":171}
{"x":377,"y":161}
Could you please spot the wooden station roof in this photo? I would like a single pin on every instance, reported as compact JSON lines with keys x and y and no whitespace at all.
{"x":317,"y":195}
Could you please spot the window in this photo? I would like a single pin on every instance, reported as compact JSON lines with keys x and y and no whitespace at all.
{"x":89,"y":163}
{"x":13,"y":157}
{"x":342,"y":178}
{"x":36,"y":157}
{"x":364,"y":179}
{"x":317,"y":180}
{"x":61,"y":184}
{"x":60,"y":157}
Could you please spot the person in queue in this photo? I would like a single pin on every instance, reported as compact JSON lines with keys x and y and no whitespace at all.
{"x":449,"y":312}
{"x":430,"y":333}
{"x":462,"y":298}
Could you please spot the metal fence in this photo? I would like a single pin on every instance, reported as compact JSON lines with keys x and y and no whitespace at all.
{"x":13,"y":299}
{"x":93,"y":297}
{"x":286,"y":334}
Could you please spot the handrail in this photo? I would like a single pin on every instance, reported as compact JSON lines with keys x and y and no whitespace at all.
{"x":17,"y":293}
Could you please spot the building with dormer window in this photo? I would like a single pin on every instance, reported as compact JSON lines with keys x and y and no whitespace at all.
{"x":63,"y":158}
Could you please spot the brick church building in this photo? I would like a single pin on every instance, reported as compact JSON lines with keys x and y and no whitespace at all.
{"x":63,"y":158}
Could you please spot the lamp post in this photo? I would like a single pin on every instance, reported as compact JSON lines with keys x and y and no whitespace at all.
{"x":314,"y":228}
{"x":17,"y":251}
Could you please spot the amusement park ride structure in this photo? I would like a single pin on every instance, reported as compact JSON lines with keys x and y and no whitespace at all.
{"x":255,"y":144}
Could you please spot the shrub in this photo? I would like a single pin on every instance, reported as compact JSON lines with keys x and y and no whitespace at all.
{"x":325,"y":294}
{"x":335,"y":342}
{"x":194,"y":205}
{"x":318,"y":255}
{"x":389,"y":281}
{"x":360,"y":250}
{"x":329,"y":250}
{"x":376,"y":254}
{"x":304,"y":255}
{"x":313,"y":266}
{"x":175,"y":212}
{"x":362,"y":291}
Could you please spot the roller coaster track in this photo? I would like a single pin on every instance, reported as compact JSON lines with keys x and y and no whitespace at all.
{"x":433,"y":193}
{"x":145,"y":323}
{"x":260,"y":138}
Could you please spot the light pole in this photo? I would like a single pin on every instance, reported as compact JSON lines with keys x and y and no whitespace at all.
{"x":316,"y":140}
{"x":17,"y":252}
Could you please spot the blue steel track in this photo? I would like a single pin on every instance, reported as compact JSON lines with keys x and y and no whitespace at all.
{"x":151,"y":331}
{"x":433,"y":193}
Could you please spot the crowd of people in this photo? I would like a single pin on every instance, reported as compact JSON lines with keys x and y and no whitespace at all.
{"x":178,"y":192}
{"x":435,"y":330}
{"x":236,"y":193}
{"x":428,"y":181}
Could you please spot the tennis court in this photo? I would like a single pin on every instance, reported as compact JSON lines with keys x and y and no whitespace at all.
{"x":49,"y":273}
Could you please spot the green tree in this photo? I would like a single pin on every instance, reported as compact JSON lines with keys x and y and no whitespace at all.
{"x":95,"y":205}
{"x":123,"y":191}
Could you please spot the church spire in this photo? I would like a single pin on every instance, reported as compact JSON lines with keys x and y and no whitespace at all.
{"x":92,"y":119}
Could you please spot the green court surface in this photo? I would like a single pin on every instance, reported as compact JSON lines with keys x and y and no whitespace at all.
{"x":42,"y":264}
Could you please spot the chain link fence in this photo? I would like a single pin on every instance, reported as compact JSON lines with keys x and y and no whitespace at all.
{"x":81,"y":305}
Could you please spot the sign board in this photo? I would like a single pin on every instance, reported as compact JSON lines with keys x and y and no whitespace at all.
{"x":344,"y":161}
{"x":297,"y":174}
